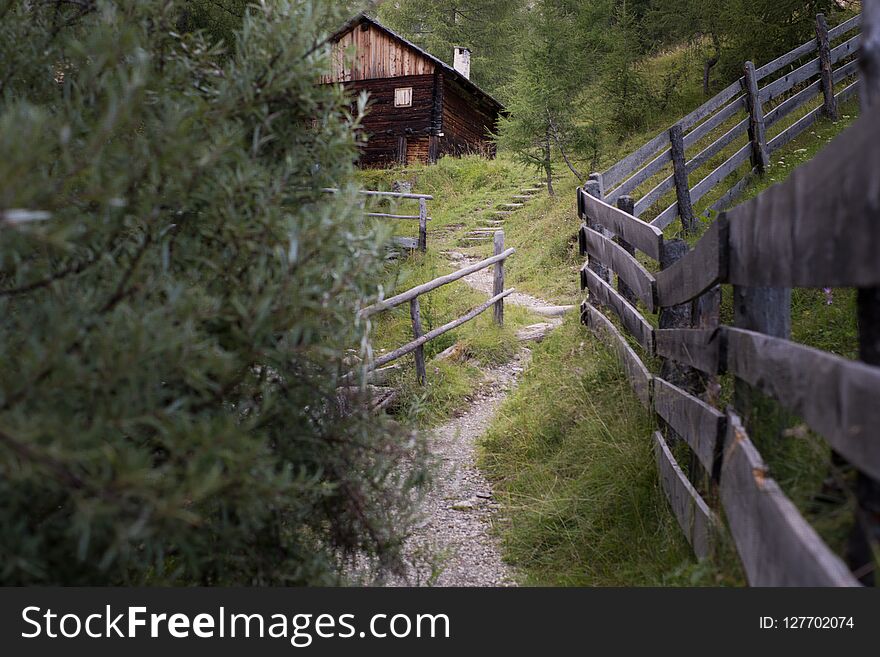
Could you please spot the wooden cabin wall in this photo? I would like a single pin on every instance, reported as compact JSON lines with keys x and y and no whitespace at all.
{"x":466,"y":124}
{"x":384,"y":124}
{"x":378,"y":55}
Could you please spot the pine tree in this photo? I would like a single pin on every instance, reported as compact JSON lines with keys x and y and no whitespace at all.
{"x":178,"y":303}
{"x":543,"y":95}
{"x":489,"y":28}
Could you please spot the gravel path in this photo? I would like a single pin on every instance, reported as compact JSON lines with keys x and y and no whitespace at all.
{"x":483,"y":281}
{"x":454,"y":545}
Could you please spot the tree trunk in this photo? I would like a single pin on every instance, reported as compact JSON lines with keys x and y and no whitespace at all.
{"x":548,"y":167}
{"x":710,"y":64}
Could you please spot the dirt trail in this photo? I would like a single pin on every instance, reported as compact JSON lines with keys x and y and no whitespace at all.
{"x":455,"y":545}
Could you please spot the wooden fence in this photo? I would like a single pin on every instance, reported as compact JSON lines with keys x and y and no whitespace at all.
{"x":749,"y":104}
{"x":421,"y":242}
{"x":821,"y":228}
{"x":412,"y":296}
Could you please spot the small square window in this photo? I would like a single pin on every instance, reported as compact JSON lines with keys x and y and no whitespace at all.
{"x":403,"y":97}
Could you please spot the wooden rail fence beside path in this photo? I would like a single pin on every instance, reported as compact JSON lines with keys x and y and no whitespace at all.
{"x":821,"y":228}
{"x":416,"y":346}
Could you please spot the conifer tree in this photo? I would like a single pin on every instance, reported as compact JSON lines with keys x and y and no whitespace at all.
{"x":178,"y":303}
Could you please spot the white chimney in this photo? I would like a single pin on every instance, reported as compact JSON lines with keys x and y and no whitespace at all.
{"x":462,"y":61}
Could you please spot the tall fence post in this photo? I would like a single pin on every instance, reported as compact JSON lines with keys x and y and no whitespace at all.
{"x":830,"y":106}
{"x":626,"y":204}
{"x":676,"y":317}
{"x":423,"y":225}
{"x":419,"y":353}
{"x":680,"y":175}
{"x":865,"y":538}
{"x":498,"y":281}
{"x":768,"y":311}
{"x":594,"y":188}
{"x":757,"y":137}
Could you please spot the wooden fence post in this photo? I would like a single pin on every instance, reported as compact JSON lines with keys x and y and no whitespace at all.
{"x":498,"y":281}
{"x":680,"y":174}
{"x":768,"y":311}
{"x":865,"y":538}
{"x":760,"y":158}
{"x":593,"y":187}
{"x":419,"y":353}
{"x":676,"y":317}
{"x":423,"y":225}
{"x":830,"y":106}
{"x":626,"y":204}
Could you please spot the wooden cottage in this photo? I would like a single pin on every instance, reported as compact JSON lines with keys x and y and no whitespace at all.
{"x":420,"y":107}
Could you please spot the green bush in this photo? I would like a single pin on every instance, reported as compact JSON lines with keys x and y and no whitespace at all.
{"x":172,"y":338}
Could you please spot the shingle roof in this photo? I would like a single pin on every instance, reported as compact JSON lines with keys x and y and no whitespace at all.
{"x":361,"y":18}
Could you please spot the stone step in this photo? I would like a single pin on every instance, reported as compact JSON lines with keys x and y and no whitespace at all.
{"x":510,"y":205}
{"x":521,"y":197}
{"x":530,"y":190}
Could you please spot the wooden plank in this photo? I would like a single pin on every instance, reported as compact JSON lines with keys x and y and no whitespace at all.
{"x":666,"y":217}
{"x":631,"y":318}
{"x":848,"y":69}
{"x":699,"y":270}
{"x":630,"y":270}
{"x":786,"y":59}
{"x":382,"y":215}
{"x":654,"y":195}
{"x":845,"y":94}
{"x":369,"y":192}
{"x":697,"y":348}
{"x":776,"y":545}
{"x":786,"y":82}
{"x":641,"y":235}
{"x":692,"y":138}
{"x":622,"y":169}
{"x":653,"y":167}
{"x":819,"y":228}
{"x":638,"y":375}
{"x":693,"y":514}
{"x":785,"y":108}
{"x":701,"y":426}
{"x":733,"y":193}
{"x":794,"y":130}
{"x":437,"y":332}
{"x":846,"y":49}
{"x":708,"y":183}
{"x":718,"y":145}
{"x":419,"y":290}
{"x":845,"y":27}
{"x":836,"y":397}
{"x":712,"y":105}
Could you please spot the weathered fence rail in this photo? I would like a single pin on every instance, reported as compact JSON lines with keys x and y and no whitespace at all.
{"x":749,"y":101}
{"x":420,"y":243}
{"x":821,"y":228}
{"x":412,"y":295}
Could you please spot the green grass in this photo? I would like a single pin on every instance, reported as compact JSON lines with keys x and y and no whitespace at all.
{"x":570,"y":454}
